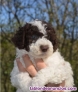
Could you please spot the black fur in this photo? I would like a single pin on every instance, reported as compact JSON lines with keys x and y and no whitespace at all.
{"x":29,"y":33}
{"x":51,"y":35}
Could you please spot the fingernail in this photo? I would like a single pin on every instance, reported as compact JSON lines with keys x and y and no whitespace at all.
{"x":18,"y":59}
{"x":24,"y":55}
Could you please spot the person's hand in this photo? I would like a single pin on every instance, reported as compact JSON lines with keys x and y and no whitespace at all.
{"x":39,"y":65}
{"x":20,"y":66}
{"x":29,"y":67}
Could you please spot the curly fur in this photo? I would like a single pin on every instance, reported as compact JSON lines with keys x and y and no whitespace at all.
{"x":29,"y":33}
{"x":28,"y":40}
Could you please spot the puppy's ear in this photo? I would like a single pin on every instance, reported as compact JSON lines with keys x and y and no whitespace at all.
{"x":19,"y":37}
{"x":52,"y":36}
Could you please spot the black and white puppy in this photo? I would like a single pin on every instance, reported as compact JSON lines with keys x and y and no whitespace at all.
{"x":38,"y":40}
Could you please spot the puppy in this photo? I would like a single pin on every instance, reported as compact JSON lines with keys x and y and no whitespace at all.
{"x":38,"y":40}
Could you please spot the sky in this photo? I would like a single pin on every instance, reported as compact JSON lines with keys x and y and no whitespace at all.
{"x":33,"y":11}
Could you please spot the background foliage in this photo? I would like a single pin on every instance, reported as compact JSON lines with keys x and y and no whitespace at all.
{"x":63,"y":14}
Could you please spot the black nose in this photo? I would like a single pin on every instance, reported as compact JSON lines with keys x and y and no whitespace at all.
{"x":44,"y":48}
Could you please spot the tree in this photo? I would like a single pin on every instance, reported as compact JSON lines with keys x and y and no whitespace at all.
{"x":63,"y":14}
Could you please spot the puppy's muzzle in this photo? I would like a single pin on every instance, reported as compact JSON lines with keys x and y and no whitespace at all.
{"x":44,"y":48}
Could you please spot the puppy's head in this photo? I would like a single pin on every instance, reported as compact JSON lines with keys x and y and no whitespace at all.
{"x":38,"y":38}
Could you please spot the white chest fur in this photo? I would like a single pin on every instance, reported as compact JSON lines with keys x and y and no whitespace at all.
{"x":53,"y":60}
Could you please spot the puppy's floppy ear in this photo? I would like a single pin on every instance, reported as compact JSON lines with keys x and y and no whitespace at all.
{"x":52,"y":36}
{"x":19,"y":37}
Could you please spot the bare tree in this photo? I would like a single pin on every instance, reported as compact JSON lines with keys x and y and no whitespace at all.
{"x":63,"y":14}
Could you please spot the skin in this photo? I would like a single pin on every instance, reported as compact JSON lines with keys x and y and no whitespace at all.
{"x":32,"y":70}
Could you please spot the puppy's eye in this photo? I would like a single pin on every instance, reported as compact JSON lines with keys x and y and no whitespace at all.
{"x":34,"y":37}
{"x":30,"y":40}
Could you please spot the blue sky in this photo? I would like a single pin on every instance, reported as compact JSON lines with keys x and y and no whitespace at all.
{"x":4,"y":15}
{"x":34,"y":12}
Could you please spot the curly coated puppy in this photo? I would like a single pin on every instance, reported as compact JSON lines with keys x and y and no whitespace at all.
{"x":38,"y":40}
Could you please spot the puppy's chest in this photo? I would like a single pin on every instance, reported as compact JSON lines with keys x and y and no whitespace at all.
{"x":53,"y":60}
{"x":50,"y":61}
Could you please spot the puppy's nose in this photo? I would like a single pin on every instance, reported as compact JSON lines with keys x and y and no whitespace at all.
{"x":44,"y":48}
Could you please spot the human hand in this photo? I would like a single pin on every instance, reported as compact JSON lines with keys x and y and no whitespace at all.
{"x":29,"y":67}
{"x":40,"y":64}
{"x":20,"y":66}
{"x":32,"y":71}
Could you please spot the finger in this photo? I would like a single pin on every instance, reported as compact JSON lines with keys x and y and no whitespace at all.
{"x":27,"y":60}
{"x":20,"y":66}
{"x":29,"y":66}
{"x":39,"y":60}
{"x":39,"y":64}
{"x":26,"y":56}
